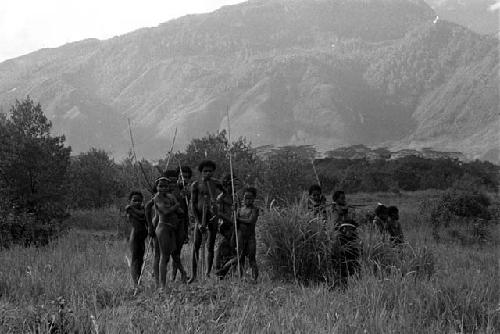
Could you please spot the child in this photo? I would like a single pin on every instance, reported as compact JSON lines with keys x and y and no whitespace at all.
{"x":394,"y":226}
{"x":203,"y":195}
{"x":340,"y":210}
{"x":167,"y":209}
{"x":380,"y":219}
{"x":246,"y":218}
{"x":184,"y":175}
{"x":316,"y":202}
{"x":138,"y":234}
{"x":225,"y":248}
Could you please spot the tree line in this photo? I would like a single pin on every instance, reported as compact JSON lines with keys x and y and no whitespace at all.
{"x":41,"y":182}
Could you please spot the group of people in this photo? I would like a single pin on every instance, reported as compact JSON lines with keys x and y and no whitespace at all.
{"x":385,"y":219}
{"x":212,"y":208}
{"x":209,"y":205}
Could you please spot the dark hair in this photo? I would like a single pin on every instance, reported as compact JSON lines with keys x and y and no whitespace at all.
{"x":381,"y":210}
{"x":392,"y":210}
{"x":134,"y":193}
{"x":314,"y":187}
{"x":206,"y":163}
{"x":170,"y":173}
{"x":185,"y":170}
{"x":251,"y":190}
{"x":336,"y":195}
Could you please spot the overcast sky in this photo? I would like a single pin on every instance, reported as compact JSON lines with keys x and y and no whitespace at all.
{"x":28,"y":25}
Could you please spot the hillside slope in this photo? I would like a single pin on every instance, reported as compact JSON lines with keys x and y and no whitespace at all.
{"x":329,"y":73}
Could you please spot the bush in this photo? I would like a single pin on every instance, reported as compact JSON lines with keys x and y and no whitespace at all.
{"x":297,"y":246}
{"x":460,"y":215}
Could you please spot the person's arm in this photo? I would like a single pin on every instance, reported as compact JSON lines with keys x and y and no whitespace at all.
{"x":252,"y":219}
{"x":148,"y":211}
{"x":171,"y":209}
{"x":194,"y":201}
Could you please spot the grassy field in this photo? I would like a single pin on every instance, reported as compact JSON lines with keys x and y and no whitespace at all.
{"x":81,"y":283}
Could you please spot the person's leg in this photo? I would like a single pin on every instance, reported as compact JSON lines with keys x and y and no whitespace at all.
{"x":165,"y":239}
{"x":252,"y":249}
{"x":138,"y":247}
{"x":197,"y":237}
{"x":180,"y":237}
{"x":212,"y":234}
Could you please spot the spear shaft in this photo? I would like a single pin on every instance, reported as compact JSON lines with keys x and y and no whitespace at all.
{"x":232,"y":188}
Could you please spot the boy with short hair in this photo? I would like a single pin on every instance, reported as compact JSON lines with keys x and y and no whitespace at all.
{"x":184,"y":174}
{"x":167,"y":209}
{"x":246,"y":219}
{"x":340,"y":210}
{"x":394,"y":226}
{"x":225,"y":248}
{"x":203,"y":195}
{"x":316,"y":201}
{"x":380,"y":220}
{"x":138,"y":234}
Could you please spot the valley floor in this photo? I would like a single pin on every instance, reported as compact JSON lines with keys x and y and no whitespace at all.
{"x":81,"y":283}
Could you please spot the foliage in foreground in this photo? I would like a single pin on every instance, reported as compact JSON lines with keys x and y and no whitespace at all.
{"x":81,"y":282}
{"x":300,"y":247}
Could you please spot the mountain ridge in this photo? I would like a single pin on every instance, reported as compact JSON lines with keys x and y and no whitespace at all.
{"x":304,"y":79}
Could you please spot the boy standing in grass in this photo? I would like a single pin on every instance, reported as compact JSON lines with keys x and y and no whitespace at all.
{"x":340,"y":210}
{"x":225,"y":248}
{"x":138,"y":234}
{"x":394,"y":226}
{"x":246,"y":219}
{"x":167,"y":209}
{"x":316,"y":201}
{"x":203,"y":195}
{"x":182,"y":193}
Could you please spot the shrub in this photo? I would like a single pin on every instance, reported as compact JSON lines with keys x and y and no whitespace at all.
{"x":461,"y":215}
{"x":296,"y":245}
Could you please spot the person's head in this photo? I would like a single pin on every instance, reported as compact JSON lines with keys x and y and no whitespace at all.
{"x":315,"y":192}
{"x":206,"y":169}
{"x":339,"y":197}
{"x":381,"y":211}
{"x":249,"y":196}
{"x":393,"y":212}
{"x":187,"y":173}
{"x":135,"y":198}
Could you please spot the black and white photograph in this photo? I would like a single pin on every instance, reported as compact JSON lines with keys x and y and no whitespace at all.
{"x":260,"y":166}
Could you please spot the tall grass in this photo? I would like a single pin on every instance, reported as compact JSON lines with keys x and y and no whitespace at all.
{"x":83,"y":276}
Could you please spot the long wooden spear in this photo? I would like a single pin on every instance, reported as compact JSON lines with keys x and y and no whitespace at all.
{"x":169,"y":157}
{"x":150,"y":187}
{"x":232,"y":188}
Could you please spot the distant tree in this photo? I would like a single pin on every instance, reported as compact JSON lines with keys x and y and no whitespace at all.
{"x":216,"y":147}
{"x":95,"y":180}
{"x":33,"y":167}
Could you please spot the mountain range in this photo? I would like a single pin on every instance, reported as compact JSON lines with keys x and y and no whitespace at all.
{"x":324,"y":72}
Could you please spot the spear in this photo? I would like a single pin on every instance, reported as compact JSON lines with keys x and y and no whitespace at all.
{"x":150,"y":187}
{"x":232,"y":188}
{"x":171,"y":149}
{"x":315,"y":172}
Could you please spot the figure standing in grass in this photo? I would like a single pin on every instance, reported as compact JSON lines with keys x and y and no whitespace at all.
{"x":394,"y":226}
{"x":166,"y":210}
{"x":316,"y":201}
{"x":182,"y":193}
{"x":138,"y":234}
{"x":225,"y":248}
{"x":246,"y":220}
{"x":340,"y":210}
{"x":203,"y":195}
{"x":349,"y":251}
{"x":381,"y":216}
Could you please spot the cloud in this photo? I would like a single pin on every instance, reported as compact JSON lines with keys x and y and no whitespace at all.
{"x":495,"y":6}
